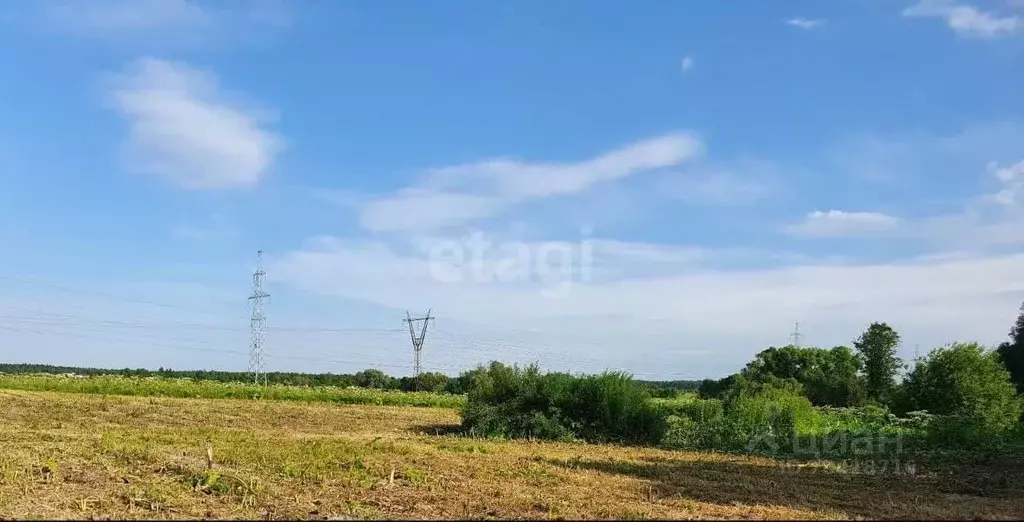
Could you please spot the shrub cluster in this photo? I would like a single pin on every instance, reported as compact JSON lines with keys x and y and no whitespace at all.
{"x":763,"y":420}
{"x":509,"y":401}
{"x":756,"y":412}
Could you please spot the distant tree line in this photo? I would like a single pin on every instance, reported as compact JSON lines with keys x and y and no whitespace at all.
{"x":370,"y":378}
{"x":668,"y":389}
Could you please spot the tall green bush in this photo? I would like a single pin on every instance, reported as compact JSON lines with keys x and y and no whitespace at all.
{"x":767,"y":419}
{"x":695,"y":424}
{"x":757,"y":417}
{"x":522,"y":402}
{"x":969,"y":386}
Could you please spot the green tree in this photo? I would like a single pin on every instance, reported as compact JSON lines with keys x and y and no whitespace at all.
{"x":716,"y":388}
{"x":430,"y":381}
{"x":372,"y":378}
{"x":744,"y":385}
{"x":877,"y":349}
{"x":1011,"y":353}
{"x":966,"y":381}
{"x":828,"y":377}
{"x":466,"y":380}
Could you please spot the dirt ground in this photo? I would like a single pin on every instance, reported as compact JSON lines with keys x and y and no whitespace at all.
{"x":83,"y":456}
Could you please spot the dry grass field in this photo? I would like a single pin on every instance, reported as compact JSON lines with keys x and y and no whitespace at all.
{"x":77,"y":456}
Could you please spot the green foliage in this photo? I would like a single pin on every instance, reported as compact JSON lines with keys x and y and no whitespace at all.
{"x":669,"y":389}
{"x":828,"y":377}
{"x":742,"y":385}
{"x":429,"y":381}
{"x":969,"y":385}
{"x":462,"y":384}
{"x":877,"y":349}
{"x":1011,"y":353}
{"x":523,"y":402}
{"x":370,"y":378}
{"x":757,"y":417}
{"x":716,"y":389}
{"x":695,"y":424}
{"x":769,"y":418}
{"x":612,"y":406}
{"x":190,"y":388}
{"x":373,"y":379}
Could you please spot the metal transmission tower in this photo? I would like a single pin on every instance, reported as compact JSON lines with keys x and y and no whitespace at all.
{"x":417,"y":340}
{"x":796,"y":336}
{"x":258,"y":323}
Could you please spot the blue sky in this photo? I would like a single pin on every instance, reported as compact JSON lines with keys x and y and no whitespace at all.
{"x":713,"y":171}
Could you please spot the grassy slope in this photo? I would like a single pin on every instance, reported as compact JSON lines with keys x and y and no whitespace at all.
{"x":78,"y":456}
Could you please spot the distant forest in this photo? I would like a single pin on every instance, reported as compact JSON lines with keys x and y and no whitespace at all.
{"x":371,"y":378}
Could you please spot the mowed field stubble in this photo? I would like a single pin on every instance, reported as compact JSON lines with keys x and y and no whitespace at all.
{"x":68,"y":455}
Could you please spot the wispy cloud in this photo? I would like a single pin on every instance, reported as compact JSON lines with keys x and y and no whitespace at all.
{"x":686,"y":64}
{"x":950,"y":285}
{"x":460,"y":193}
{"x":838,"y":223}
{"x":182,"y":129}
{"x":742,"y":184}
{"x":966,"y":20}
{"x":805,"y":23}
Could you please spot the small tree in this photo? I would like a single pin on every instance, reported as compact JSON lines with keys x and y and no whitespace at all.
{"x":877,"y":348}
{"x":1011,"y":353}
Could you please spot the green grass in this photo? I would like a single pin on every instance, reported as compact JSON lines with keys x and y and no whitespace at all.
{"x":187,"y":388}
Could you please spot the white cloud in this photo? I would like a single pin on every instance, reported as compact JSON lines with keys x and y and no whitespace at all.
{"x":930,"y":301}
{"x":687,"y":64}
{"x":1011,"y":174}
{"x":182,"y":129}
{"x":424,"y":209}
{"x":461,"y":193}
{"x":524,"y":180}
{"x":1012,"y":180}
{"x":965,"y":19}
{"x":805,"y":23}
{"x":837,"y":223}
{"x":991,"y":219}
{"x":648,"y":306}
